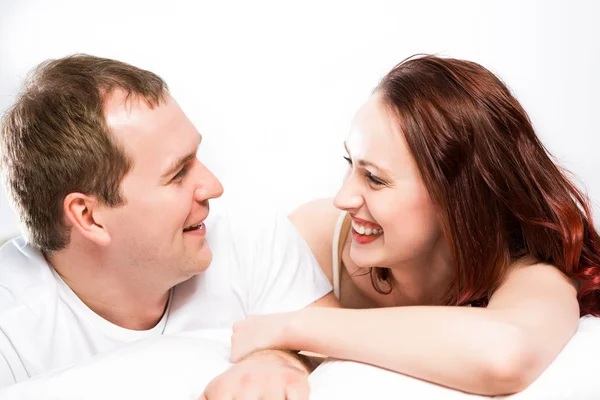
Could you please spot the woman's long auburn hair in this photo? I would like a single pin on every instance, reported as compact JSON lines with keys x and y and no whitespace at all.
{"x":499,"y":194}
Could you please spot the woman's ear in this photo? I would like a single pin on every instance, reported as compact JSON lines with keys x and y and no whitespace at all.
{"x":79,"y":210}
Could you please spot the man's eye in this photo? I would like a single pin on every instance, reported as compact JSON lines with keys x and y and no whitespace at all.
{"x":180,"y":175}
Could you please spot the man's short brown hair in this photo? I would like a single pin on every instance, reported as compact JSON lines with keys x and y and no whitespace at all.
{"x":55,"y":140}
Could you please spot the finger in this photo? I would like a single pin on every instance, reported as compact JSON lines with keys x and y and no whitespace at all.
{"x":298,"y":391}
{"x":249,"y":392}
{"x":237,"y":326}
{"x":217,"y":389}
{"x":274,"y":390}
{"x":235,"y":355}
{"x":238,"y":352}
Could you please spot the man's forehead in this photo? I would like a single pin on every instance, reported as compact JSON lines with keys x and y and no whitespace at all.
{"x":154,"y":137}
{"x":121,"y":108}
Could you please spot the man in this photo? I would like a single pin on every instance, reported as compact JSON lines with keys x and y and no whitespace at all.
{"x":100,"y":162}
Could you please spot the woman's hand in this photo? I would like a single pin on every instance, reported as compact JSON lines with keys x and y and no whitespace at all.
{"x":260,"y":332}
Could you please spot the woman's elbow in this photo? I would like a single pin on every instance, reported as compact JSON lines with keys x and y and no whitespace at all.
{"x":514,"y":366}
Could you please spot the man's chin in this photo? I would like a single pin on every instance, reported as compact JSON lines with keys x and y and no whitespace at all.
{"x":204,"y":260}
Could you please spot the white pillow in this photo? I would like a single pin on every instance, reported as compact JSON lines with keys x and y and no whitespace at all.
{"x":573,"y":375}
{"x":174,"y":367}
{"x":349,"y":380}
{"x":179,"y":366}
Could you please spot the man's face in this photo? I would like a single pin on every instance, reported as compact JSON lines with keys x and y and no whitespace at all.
{"x":159,"y":231}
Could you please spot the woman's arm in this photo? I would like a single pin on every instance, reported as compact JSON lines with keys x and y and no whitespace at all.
{"x":497,"y":350}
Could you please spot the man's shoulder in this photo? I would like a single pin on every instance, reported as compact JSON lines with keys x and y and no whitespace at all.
{"x":18,"y":250}
{"x":20,"y":261}
{"x":27,"y":293}
{"x":24,"y":274}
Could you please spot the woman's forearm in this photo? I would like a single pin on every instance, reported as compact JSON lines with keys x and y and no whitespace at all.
{"x":474,"y":350}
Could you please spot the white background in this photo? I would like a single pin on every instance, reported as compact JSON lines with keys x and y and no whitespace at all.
{"x":273,"y":85}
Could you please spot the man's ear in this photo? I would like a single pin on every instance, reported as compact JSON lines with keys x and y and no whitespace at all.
{"x":79,"y":210}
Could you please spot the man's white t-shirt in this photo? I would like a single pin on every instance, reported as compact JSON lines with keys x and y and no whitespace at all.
{"x":259,"y":266}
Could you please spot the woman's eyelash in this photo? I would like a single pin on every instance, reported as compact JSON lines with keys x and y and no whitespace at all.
{"x":372,"y":178}
{"x":375,"y":180}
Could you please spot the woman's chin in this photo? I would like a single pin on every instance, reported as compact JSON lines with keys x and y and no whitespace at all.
{"x":365,"y":258}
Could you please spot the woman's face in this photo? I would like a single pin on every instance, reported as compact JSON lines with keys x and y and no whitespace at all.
{"x":394,"y":220}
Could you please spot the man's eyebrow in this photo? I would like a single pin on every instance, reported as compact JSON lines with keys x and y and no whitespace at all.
{"x":178,"y":163}
{"x":365,"y":163}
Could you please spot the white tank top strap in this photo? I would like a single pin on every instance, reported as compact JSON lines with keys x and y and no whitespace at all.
{"x":336,"y":262}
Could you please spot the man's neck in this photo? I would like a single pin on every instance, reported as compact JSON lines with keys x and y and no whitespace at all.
{"x":111,"y":291}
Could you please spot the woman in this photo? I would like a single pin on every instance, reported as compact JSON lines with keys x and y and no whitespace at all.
{"x":450,"y":200}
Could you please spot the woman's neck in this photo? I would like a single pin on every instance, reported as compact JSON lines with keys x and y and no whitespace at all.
{"x":418,"y":281}
{"x":421,"y":281}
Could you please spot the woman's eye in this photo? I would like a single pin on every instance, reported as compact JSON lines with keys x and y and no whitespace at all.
{"x":348,"y":160}
{"x":374,"y":180}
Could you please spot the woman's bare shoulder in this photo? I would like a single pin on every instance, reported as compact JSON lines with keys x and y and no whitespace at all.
{"x":316,"y":221}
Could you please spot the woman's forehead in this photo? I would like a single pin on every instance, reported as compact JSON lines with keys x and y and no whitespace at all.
{"x":376,"y":136}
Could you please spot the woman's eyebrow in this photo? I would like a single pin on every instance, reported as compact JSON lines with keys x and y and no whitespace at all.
{"x":366,"y":163}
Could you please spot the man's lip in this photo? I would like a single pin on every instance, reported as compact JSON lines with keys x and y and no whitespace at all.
{"x":365,"y":223}
{"x":189,"y":228}
{"x":195,"y":224}
{"x":198,"y":232}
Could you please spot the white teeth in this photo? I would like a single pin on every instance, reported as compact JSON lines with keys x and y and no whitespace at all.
{"x":194,"y":227}
{"x":365,"y":231}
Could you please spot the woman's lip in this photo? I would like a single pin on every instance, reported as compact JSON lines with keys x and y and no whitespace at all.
{"x":365,"y":223}
{"x":363,"y":239}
